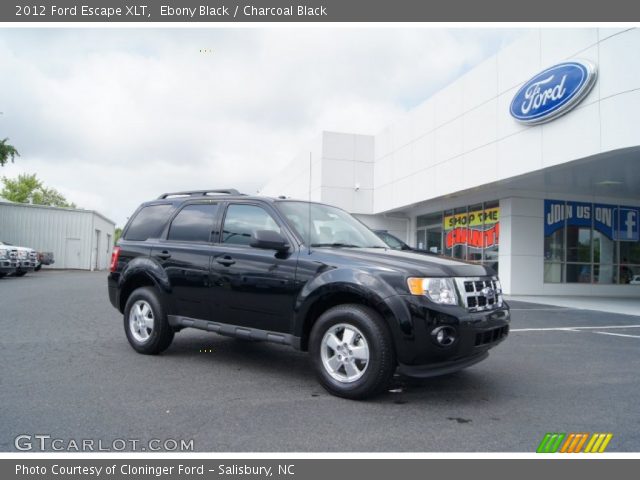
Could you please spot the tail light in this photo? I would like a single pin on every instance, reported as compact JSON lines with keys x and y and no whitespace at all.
{"x":114,"y":259}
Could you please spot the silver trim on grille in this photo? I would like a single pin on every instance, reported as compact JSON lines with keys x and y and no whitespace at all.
{"x":480,"y":294}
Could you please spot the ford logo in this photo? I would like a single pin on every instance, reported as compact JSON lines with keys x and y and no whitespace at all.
{"x":553,"y":92}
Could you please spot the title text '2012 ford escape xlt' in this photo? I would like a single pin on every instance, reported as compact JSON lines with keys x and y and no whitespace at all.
{"x":302,"y":274}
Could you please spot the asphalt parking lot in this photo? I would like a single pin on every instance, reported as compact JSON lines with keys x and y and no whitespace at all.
{"x":68,"y":371}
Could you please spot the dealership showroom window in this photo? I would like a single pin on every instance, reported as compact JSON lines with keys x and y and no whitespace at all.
{"x":590,"y":243}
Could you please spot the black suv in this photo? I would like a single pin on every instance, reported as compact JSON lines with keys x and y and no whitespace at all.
{"x":303,"y":274}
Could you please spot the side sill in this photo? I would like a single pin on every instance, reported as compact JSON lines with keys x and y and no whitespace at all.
{"x":235,"y":331}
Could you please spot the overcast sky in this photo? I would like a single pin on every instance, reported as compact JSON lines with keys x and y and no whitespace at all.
{"x":114,"y":117}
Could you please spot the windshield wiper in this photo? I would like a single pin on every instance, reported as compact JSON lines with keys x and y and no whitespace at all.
{"x":336,"y":244}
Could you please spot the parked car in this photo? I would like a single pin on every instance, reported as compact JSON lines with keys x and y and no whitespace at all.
{"x":8,"y":260}
{"x":44,"y":258}
{"x":26,"y":257}
{"x":392,"y":241}
{"x":395,"y":243}
{"x":302,"y":274}
{"x":635,"y":280}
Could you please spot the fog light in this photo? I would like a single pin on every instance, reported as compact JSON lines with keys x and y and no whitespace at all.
{"x":444,"y":336}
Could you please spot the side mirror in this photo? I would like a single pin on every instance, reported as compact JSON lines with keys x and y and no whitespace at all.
{"x":269,"y":240}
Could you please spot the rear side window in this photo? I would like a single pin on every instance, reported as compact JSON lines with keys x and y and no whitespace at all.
{"x":242,"y":221}
{"x":193,"y":223}
{"x":148,"y":223}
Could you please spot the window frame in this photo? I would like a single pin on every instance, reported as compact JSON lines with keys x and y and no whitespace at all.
{"x":125,"y":231}
{"x":214,"y":226}
{"x":271,"y":211}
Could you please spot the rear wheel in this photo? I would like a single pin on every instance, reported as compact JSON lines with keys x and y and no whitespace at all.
{"x":352,"y":351}
{"x":145,"y":322}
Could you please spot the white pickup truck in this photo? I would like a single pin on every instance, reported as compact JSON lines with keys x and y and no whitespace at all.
{"x":25,"y":259}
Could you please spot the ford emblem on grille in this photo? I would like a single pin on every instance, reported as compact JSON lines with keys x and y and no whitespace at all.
{"x":488,"y":292}
{"x":553,"y":92}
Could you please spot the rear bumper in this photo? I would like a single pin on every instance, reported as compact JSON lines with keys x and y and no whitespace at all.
{"x":112,"y":288}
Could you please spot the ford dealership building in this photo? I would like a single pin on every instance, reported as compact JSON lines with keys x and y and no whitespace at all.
{"x":530,"y":163}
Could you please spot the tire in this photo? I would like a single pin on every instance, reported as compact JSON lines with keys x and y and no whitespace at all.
{"x":351,"y":376}
{"x":2,"y":275}
{"x":20,"y":273}
{"x":145,"y":322}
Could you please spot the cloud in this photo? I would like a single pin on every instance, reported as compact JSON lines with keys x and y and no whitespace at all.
{"x":114,"y":117}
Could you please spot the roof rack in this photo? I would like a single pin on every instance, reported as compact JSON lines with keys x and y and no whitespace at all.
{"x":201,"y":193}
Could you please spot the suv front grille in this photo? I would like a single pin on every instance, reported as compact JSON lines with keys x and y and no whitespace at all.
{"x":480,"y":294}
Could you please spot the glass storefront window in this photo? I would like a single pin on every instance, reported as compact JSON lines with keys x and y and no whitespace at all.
{"x":468,"y":233}
{"x":578,"y":244}
{"x":578,"y":273}
{"x":553,"y":272}
{"x":590,"y":243}
{"x":554,"y":247}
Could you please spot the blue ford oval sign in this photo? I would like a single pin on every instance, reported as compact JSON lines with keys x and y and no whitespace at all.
{"x":553,"y":92}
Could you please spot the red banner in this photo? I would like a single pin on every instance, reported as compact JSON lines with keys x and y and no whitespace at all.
{"x":473,"y":237}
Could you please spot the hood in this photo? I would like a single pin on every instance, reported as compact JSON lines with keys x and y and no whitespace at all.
{"x":404,"y":262}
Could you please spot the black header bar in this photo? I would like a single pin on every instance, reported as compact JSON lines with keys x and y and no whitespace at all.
{"x":319,"y":11}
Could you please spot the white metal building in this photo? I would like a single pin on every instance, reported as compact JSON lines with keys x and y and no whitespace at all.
{"x":79,"y":239}
{"x":554,"y":206}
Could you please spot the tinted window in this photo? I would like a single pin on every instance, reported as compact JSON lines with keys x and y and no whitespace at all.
{"x":193,"y":223}
{"x":243,"y":220}
{"x":148,"y":223}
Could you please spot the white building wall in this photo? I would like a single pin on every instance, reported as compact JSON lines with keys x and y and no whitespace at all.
{"x":296,"y":180}
{"x":464,"y":137}
{"x":102,"y":243}
{"x":341,"y":173}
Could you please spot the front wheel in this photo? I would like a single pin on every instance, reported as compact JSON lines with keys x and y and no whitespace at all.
{"x":145,"y":322}
{"x":352,"y":351}
{"x":20,"y":273}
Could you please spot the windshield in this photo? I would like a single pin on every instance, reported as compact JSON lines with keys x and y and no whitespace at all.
{"x":330,"y":226}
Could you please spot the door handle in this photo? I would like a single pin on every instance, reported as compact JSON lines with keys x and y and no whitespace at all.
{"x":226,"y":260}
{"x":163,"y":255}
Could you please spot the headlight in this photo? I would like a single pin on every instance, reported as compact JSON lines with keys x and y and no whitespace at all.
{"x":4,"y":253}
{"x":438,"y":290}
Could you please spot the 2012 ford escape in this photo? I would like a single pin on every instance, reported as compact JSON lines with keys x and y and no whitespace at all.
{"x":303,"y":274}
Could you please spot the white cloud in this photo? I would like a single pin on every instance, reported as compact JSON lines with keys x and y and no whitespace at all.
{"x":113,"y":117}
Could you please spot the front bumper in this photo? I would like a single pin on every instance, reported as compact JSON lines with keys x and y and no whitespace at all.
{"x":443,"y":368}
{"x":26,"y":265}
{"x":414,"y":318}
{"x":8,"y":266}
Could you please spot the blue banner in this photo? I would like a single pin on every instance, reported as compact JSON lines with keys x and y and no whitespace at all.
{"x":617,"y":223}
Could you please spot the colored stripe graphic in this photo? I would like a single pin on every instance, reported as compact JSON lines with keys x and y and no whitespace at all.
{"x":550,"y":443}
{"x":573,"y":442}
{"x":598,"y":442}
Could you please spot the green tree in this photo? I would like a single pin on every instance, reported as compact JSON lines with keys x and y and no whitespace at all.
{"x":117,"y":235}
{"x":28,"y":189}
{"x":7,"y":152}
